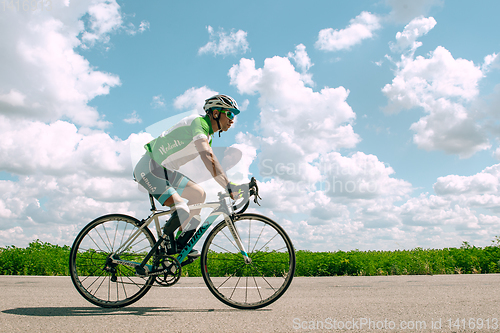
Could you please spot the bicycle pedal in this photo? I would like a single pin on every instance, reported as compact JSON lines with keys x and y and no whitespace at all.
{"x":194,"y":254}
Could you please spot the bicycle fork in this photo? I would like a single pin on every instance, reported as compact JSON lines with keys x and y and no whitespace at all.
{"x":237,"y":239}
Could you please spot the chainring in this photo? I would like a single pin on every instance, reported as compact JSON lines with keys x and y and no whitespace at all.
{"x":172,"y":271}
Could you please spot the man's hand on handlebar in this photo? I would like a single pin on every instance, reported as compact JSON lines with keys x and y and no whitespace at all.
{"x":234,"y":191}
{"x":244,"y":190}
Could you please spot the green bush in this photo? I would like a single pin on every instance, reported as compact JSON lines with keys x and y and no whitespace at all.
{"x":37,"y":259}
{"x":47,"y":259}
{"x":465,"y":260}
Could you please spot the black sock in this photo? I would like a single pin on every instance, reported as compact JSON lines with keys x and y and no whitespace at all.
{"x":170,"y":226}
{"x":184,"y":238}
{"x":188,"y":232}
{"x":171,"y":244}
{"x":176,"y":219}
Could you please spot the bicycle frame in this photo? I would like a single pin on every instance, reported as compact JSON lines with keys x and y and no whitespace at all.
{"x":218,"y":209}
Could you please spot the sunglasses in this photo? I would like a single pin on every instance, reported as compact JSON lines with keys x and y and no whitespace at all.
{"x":229,"y":114}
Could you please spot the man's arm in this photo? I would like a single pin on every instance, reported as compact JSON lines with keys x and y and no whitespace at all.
{"x":211,"y":163}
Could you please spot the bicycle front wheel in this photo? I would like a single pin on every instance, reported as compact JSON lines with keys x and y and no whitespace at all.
{"x":248,"y":285}
{"x":93,"y":273}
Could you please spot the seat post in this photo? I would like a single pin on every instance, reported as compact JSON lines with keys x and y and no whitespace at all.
{"x":152,"y":200}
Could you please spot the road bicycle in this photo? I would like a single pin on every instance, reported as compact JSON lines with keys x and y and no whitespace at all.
{"x":247,"y":260}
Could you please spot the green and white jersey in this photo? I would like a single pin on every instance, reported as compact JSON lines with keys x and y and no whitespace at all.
{"x":175,"y":147}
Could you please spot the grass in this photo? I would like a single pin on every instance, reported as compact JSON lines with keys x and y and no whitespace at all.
{"x":41,"y":258}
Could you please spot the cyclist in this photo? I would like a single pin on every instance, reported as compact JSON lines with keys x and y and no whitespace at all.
{"x":157,"y":169}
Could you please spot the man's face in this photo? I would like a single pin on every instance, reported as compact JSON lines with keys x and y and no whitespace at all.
{"x":225,"y":121}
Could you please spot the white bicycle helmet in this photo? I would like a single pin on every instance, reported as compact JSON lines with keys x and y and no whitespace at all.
{"x":221,"y":101}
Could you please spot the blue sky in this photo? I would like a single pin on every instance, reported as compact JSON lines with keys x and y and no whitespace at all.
{"x":391,"y":105}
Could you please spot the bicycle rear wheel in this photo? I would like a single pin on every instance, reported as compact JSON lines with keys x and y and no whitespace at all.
{"x":254,"y":285}
{"x":95,"y":276}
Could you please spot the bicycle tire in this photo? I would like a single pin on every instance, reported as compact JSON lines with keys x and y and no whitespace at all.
{"x":265,"y":279}
{"x":92,"y":272}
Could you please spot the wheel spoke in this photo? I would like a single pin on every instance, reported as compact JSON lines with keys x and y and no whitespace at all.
{"x":231,"y":279}
{"x":255,"y":281}
{"x":260,"y":234}
{"x":123,"y":234}
{"x":259,"y":250}
{"x":107,"y":236}
{"x":99,"y":279}
{"x":231,"y":241}
{"x":103,"y":241}
{"x":237,"y":269}
{"x":97,"y":245}
{"x":99,"y":286}
{"x":227,"y":251}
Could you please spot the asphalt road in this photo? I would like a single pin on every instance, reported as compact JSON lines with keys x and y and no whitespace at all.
{"x":440,"y":303}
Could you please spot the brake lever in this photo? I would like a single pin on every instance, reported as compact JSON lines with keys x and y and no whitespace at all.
{"x":255,"y":199}
{"x":255,"y":191}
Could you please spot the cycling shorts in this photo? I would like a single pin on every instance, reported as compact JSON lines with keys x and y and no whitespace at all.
{"x":157,"y":180}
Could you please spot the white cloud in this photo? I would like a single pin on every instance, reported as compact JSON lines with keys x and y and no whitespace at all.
{"x":158,"y":101}
{"x":444,"y":87}
{"x":221,"y":43}
{"x":360,"y":176}
{"x":240,"y":173}
{"x":132,"y":30}
{"x":303,"y":61}
{"x":416,"y":28}
{"x":450,"y":128}
{"x":144,"y":26}
{"x":315,"y":192}
{"x":244,"y":105}
{"x":287,"y":108}
{"x":43,"y":77}
{"x":361,"y":27}
{"x":194,"y":98}
{"x":133,"y":119}
{"x":245,"y":76}
{"x":70,"y":202}
{"x":13,"y":98}
{"x":464,"y":208}
{"x":35,"y":150}
{"x":484,"y":183}
{"x":301,"y":58}
{"x":68,"y":173}
{"x":421,"y":81}
{"x":490,"y":61}
{"x":405,"y":10}
{"x":298,"y":147}
{"x":79,"y":174}
{"x":89,"y":173}
{"x":13,"y":235}
{"x":435,"y":211}
{"x":326,"y":199}
{"x":104,"y":18}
